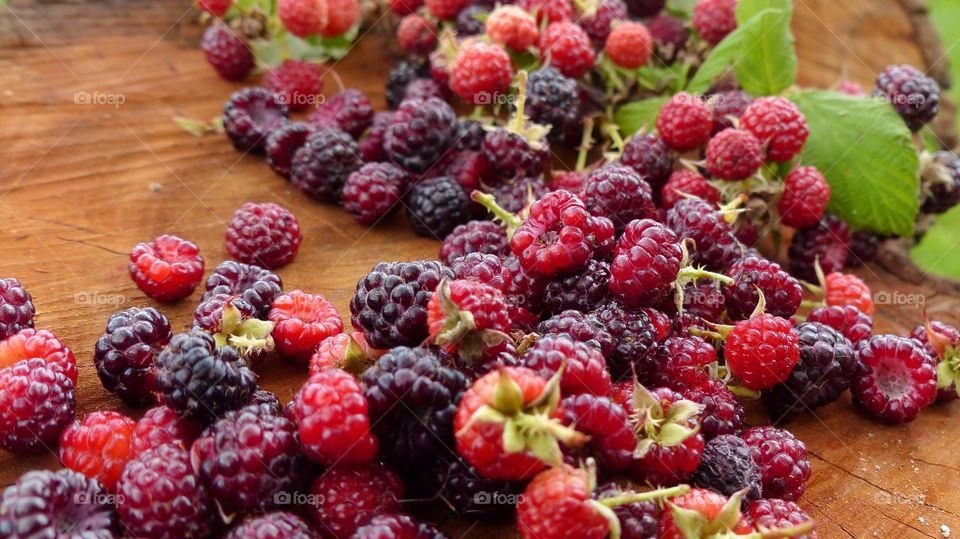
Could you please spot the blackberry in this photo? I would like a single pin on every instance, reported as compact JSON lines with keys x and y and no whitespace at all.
{"x":944,"y":193}
{"x":727,"y":467}
{"x":399,"y":77}
{"x":412,"y":397}
{"x":468,"y":167}
{"x":728,"y":107}
{"x":390,"y":303}
{"x":669,"y":37}
{"x":208,"y":315}
{"x":481,"y":267}
{"x":37,"y":401}
{"x":422,"y":130}
{"x":826,"y":368}
{"x":251,"y":115}
{"x":321,"y":166}
{"x":598,"y":24}
{"x":722,"y":413}
{"x":255,"y":285}
{"x":484,"y":237}
{"x":348,"y":111}
{"x":517,"y":194}
{"x":618,"y":193}
{"x":635,"y":339}
{"x":464,"y":490}
{"x":16,"y":307}
{"x":782,"y":458}
{"x":650,"y":156}
{"x":523,"y":289}
{"x":226,"y":52}
{"x":435,"y":206}
{"x":421,"y":89}
{"x":579,"y":327}
{"x":282,"y":143}
{"x":276,"y":525}
{"x":397,"y":526}
{"x":249,"y":457}
{"x":201,"y":381}
{"x":915,"y":96}
{"x":349,"y":496}
{"x":57,"y":504}
{"x":612,"y":440}
{"x":124,"y":354}
{"x":552,"y":99}
{"x":470,"y":20}
{"x":863,"y":247}
{"x":646,"y":8}
{"x":163,"y":425}
{"x":511,"y":155}
{"x":371,"y":147}
{"x":470,"y":135}
{"x":827,"y":241}
{"x":583,"y":291}
{"x":782,"y":292}
{"x":716,"y":246}
{"x":372,"y":191}
{"x":639,"y":520}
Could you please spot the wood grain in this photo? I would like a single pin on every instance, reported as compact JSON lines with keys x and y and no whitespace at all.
{"x":80,"y":184}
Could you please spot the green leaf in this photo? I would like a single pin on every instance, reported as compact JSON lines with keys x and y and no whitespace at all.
{"x":747,"y":9}
{"x":718,"y":61}
{"x":939,"y":250}
{"x":768,"y":62}
{"x":865,"y":152}
{"x":637,"y":115}
{"x":681,"y":8}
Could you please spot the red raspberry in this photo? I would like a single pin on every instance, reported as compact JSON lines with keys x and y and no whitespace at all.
{"x":778,"y":124}
{"x":226,"y":52}
{"x":167,"y":269}
{"x":565,"y":46}
{"x":598,"y":24}
{"x":548,"y":10}
{"x":762,"y":351}
{"x":480,"y":72}
{"x":265,"y":234}
{"x":618,"y":193}
{"x":629,"y":45}
{"x":650,"y":156}
{"x":215,"y":7}
{"x":847,"y":319}
{"x":560,"y":235}
{"x":37,"y":401}
{"x":896,"y":378}
{"x":302,"y":321}
{"x":347,"y":351}
{"x":558,"y":503}
{"x":297,"y":82}
{"x":774,"y":513}
{"x":728,"y":106}
{"x":584,"y":369}
{"x":684,"y":122}
{"x":99,"y":447}
{"x":782,"y":458}
{"x":571,"y":180}
{"x":282,"y":143}
{"x":404,"y":7}
{"x":303,"y":17}
{"x":348,"y":111}
{"x":827,"y":242}
{"x":512,"y":27}
{"x":682,"y":362}
{"x":342,"y":15}
{"x":714,"y":19}
{"x":163,"y":425}
{"x":38,"y":343}
{"x":444,"y":9}
{"x":844,"y":289}
{"x":371,"y":147}
{"x":645,"y":263}
{"x":467,"y":317}
{"x":332,"y":419}
{"x":722,"y":413}
{"x":782,"y":293}
{"x":374,"y":189}
{"x":612,"y":440}
{"x":805,"y":197}
{"x":351,"y":495}
{"x":733,"y":154}
{"x":484,"y":237}
{"x":416,"y":35}
{"x":851,"y":88}
{"x":687,"y":182}
{"x":16,"y":308}
{"x":708,"y":510}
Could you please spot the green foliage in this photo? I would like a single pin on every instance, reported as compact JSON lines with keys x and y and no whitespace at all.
{"x":638,"y":115}
{"x":939,"y":250}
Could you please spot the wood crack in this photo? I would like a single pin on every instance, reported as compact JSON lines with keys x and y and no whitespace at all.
{"x":94,"y":245}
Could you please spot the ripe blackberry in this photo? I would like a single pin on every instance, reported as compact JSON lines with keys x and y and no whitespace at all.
{"x":461,"y":487}
{"x":716,"y":246}
{"x":778,"y":124}
{"x":390,"y":303}
{"x":687,"y":182}
{"x":420,"y":133}
{"x":565,"y":46}
{"x":397,"y":526}
{"x":512,"y":155}
{"x":265,"y":234}
{"x":275,"y":525}
{"x":733,"y":154}
{"x":895,"y":378}
{"x":782,"y":293}
{"x":250,"y":115}
{"x":650,"y":156}
{"x":255,"y":285}
{"x":322,"y":165}
{"x":774,"y":513}
{"x":552,"y":99}
{"x":16,"y":307}
{"x":915,"y":96}
{"x":523,"y":289}
{"x":125,"y":353}
{"x":163,"y":425}
{"x":226,"y":52}
{"x":638,"y":520}
{"x":669,"y":37}
{"x":248,"y":458}
{"x":421,"y":89}
{"x":160,"y":496}
{"x":37,"y":401}
{"x":727,"y":467}
{"x":56,"y":504}
{"x":167,"y":269}
{"x":371,"y":147}
{"x":297,"y":82}
{"x":99,"y":447}
{"x":470,"y":135}
{"x":199,"y":380}
{"x":848,"y":320}
{"x":583,"y":291}
{"x":645,"y":263}
{"x":685,"y":122}
{"x":826,"y":367}
{"x":470,"y":20}
{"x":635,"y":339}
{"x":612,"y":439}
{"x":619,"y":193}
{"x":435,"y":206}
{"x":702,"y":299}
{"x":714,"y":19}
{"x":863,"y":248}
{"x":646,"y":8}
{"x":579,"y":327}
{"x":348,"y":111}
{"x":722,"y":413}
{"x":372,"y":191}
{"x":681,"y":363}
{"x":518,"y":194}
{"x":597,"y":24}
{"x":728,"y":107}
{"x":351,"y":495}
{"x":828,"y":241}
{"x":282,"y":144}
{"x":585,"y":370}
{"x":484,"y":237}
{"x":782,"y":458}
{"x":398,"y":78}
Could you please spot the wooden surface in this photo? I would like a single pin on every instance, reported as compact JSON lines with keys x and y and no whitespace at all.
{"x":81,"y":183}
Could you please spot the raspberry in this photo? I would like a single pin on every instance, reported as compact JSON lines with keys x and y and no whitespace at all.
{"x":467,"y":317}
{"x":41,"y":344}
{"x":805,"y":197}
{"x":727,"y":467}
{"x":548,"y":10}
{"x":37,"y":401}
{"x":16,"y":307}
{"x":468,"y":167}
{"x":557,"y":503}
{"x":251,"y":115}
{"x":420,"y":133}
{"x":226,"y":52}
{"x":332,"y":419}
{"x":681,"y":363}
{"x":512,"y":155}
{"x":863,"y":248}
{"x":303,"y":17}
{"x":778,"y":124}
{"x":160,"y":496}
{"x":618,"y":193}
{"x":684,"y":122}
{"x":774,"y":513}
{"x":412,"y":397}
{"x":583,"y":291}
{"x":650,"y":156}
{"x":843,"y":289}
{"x":371,"y":191}
{"x":570,"y":180}
{"x":703,"y":509}
{"x":635,"y":336}
{"x":940,"y":341}
{"x":99,"y":447}
{"x":249,"y":457}
{"x":371,"y":147}
{"x":435,"y":206}
{"x":276,"y":525}
{"x":347,"y":351}
{"x":753,"y":275}
{"x":827,"y":242}
{"x":444,"y":9}
{"x":397,"y":526}
{"x":762,"y":351}
{"x":398,"y":78}
{"x":782,"y":459}
{"x":167,"y":269}
{"x":523,"y":289}
{"x":716,"y":246}
{"x":714,"y":19}
{"x":322,"y":165}
{"x":517,"y":195}
{"x":256,"y":286}
{"x":728,"y":107}
{"x":297,"y":82}
{"x":199,"y":380}
{"x":302,"y":321}
{"x":578,"y":327}
{"x":629,"y":45}
{"x":352,"y":494}
{"x":559,"y":234}
{"x":733,"y":154}
{"x":895,"y":379}
{"x":612,"y":440}
{"x":597,"y":24}
{"x":459,"y":486}
{"x":282,"y":144}
{"x":552,"y":99}
{"x":484,"y":237}
{"x":348,"y":111}
{"x":163,"y":425}
{"x":125,"y":353}
{"x":565,"y":46}
{"x":512,"y":27}
{"x":585,"y":370}
{"x":669,"y":37}
{"x":944,"y":193}
{"x":416,"y":35}
{"x":470,"y":20}
{"x":687,"y":182}
{"x":915,"y":96}
{"x":215,"y":7}
{"x":56,"y":504}
{"x":266,"y":234}
{"x":722,"y":413}
{"x":848,"y":320}
{"x":646,"y":8}
{"x":645,"y":263}
{"x":342,"y":15}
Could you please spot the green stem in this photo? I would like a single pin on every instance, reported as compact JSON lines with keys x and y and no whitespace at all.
{"x":637,"y":497}
{"x":693,"y":274}
{"x":586,"y":142}
{"x":487,"y":200}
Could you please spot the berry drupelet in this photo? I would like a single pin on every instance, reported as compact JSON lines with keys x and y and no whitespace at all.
{"x":754,"y":275}
{"x":302,"y":321}
{"x":722,"y":413}
{"x":618,"y":193}
{"x":373,"y":190}
{"x":827,"y":242}
{"x":583,"y":291}
{"x":275,"y":525}
{"x":650,"y":156}
{"x":99,"y":447}
{"x":167,"y":269}
{"x":16,"y":307}
{"x":124,"y":355}
{"x":282,"y":143}
{"x":45,"y":504}
{"x":805,"y":197}
{"x":716,"y":247}
{"x":250,"y":116}
{"x":782,"y":458}
{"x":332,"y":419}
{"x":348,"y":111}
{"x":685,"y":122}
{"x":265,"y":234}
{"x":321,"y":166}
{"x":163,"y":425}
{"x":257,"y":286}
{"x":297,"y":82}
{"x":421,"y":131}
{"x":778,"y":124}
{"x":552,"y":99}
{"x":584,"y":368}
{"x":848,"y":320}
{"x":37,"y":401}
{"x":435,"y":206}
{"x":727,"y":467}
{"x":484,"y":237}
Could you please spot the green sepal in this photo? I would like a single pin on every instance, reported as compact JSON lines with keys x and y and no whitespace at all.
{"x":247,"y":335}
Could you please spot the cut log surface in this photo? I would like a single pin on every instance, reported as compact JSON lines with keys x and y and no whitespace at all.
{"x":92,"y":163}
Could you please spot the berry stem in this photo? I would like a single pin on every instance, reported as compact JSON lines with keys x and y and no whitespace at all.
{"x":518,"y":122}
{"x":637,"y":497}
{"x":586,"y":144}
{"x":691,"y":273}
{"x":509,"y":220}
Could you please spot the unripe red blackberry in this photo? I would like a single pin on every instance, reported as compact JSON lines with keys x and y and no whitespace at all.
{"x":915,"y":96}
